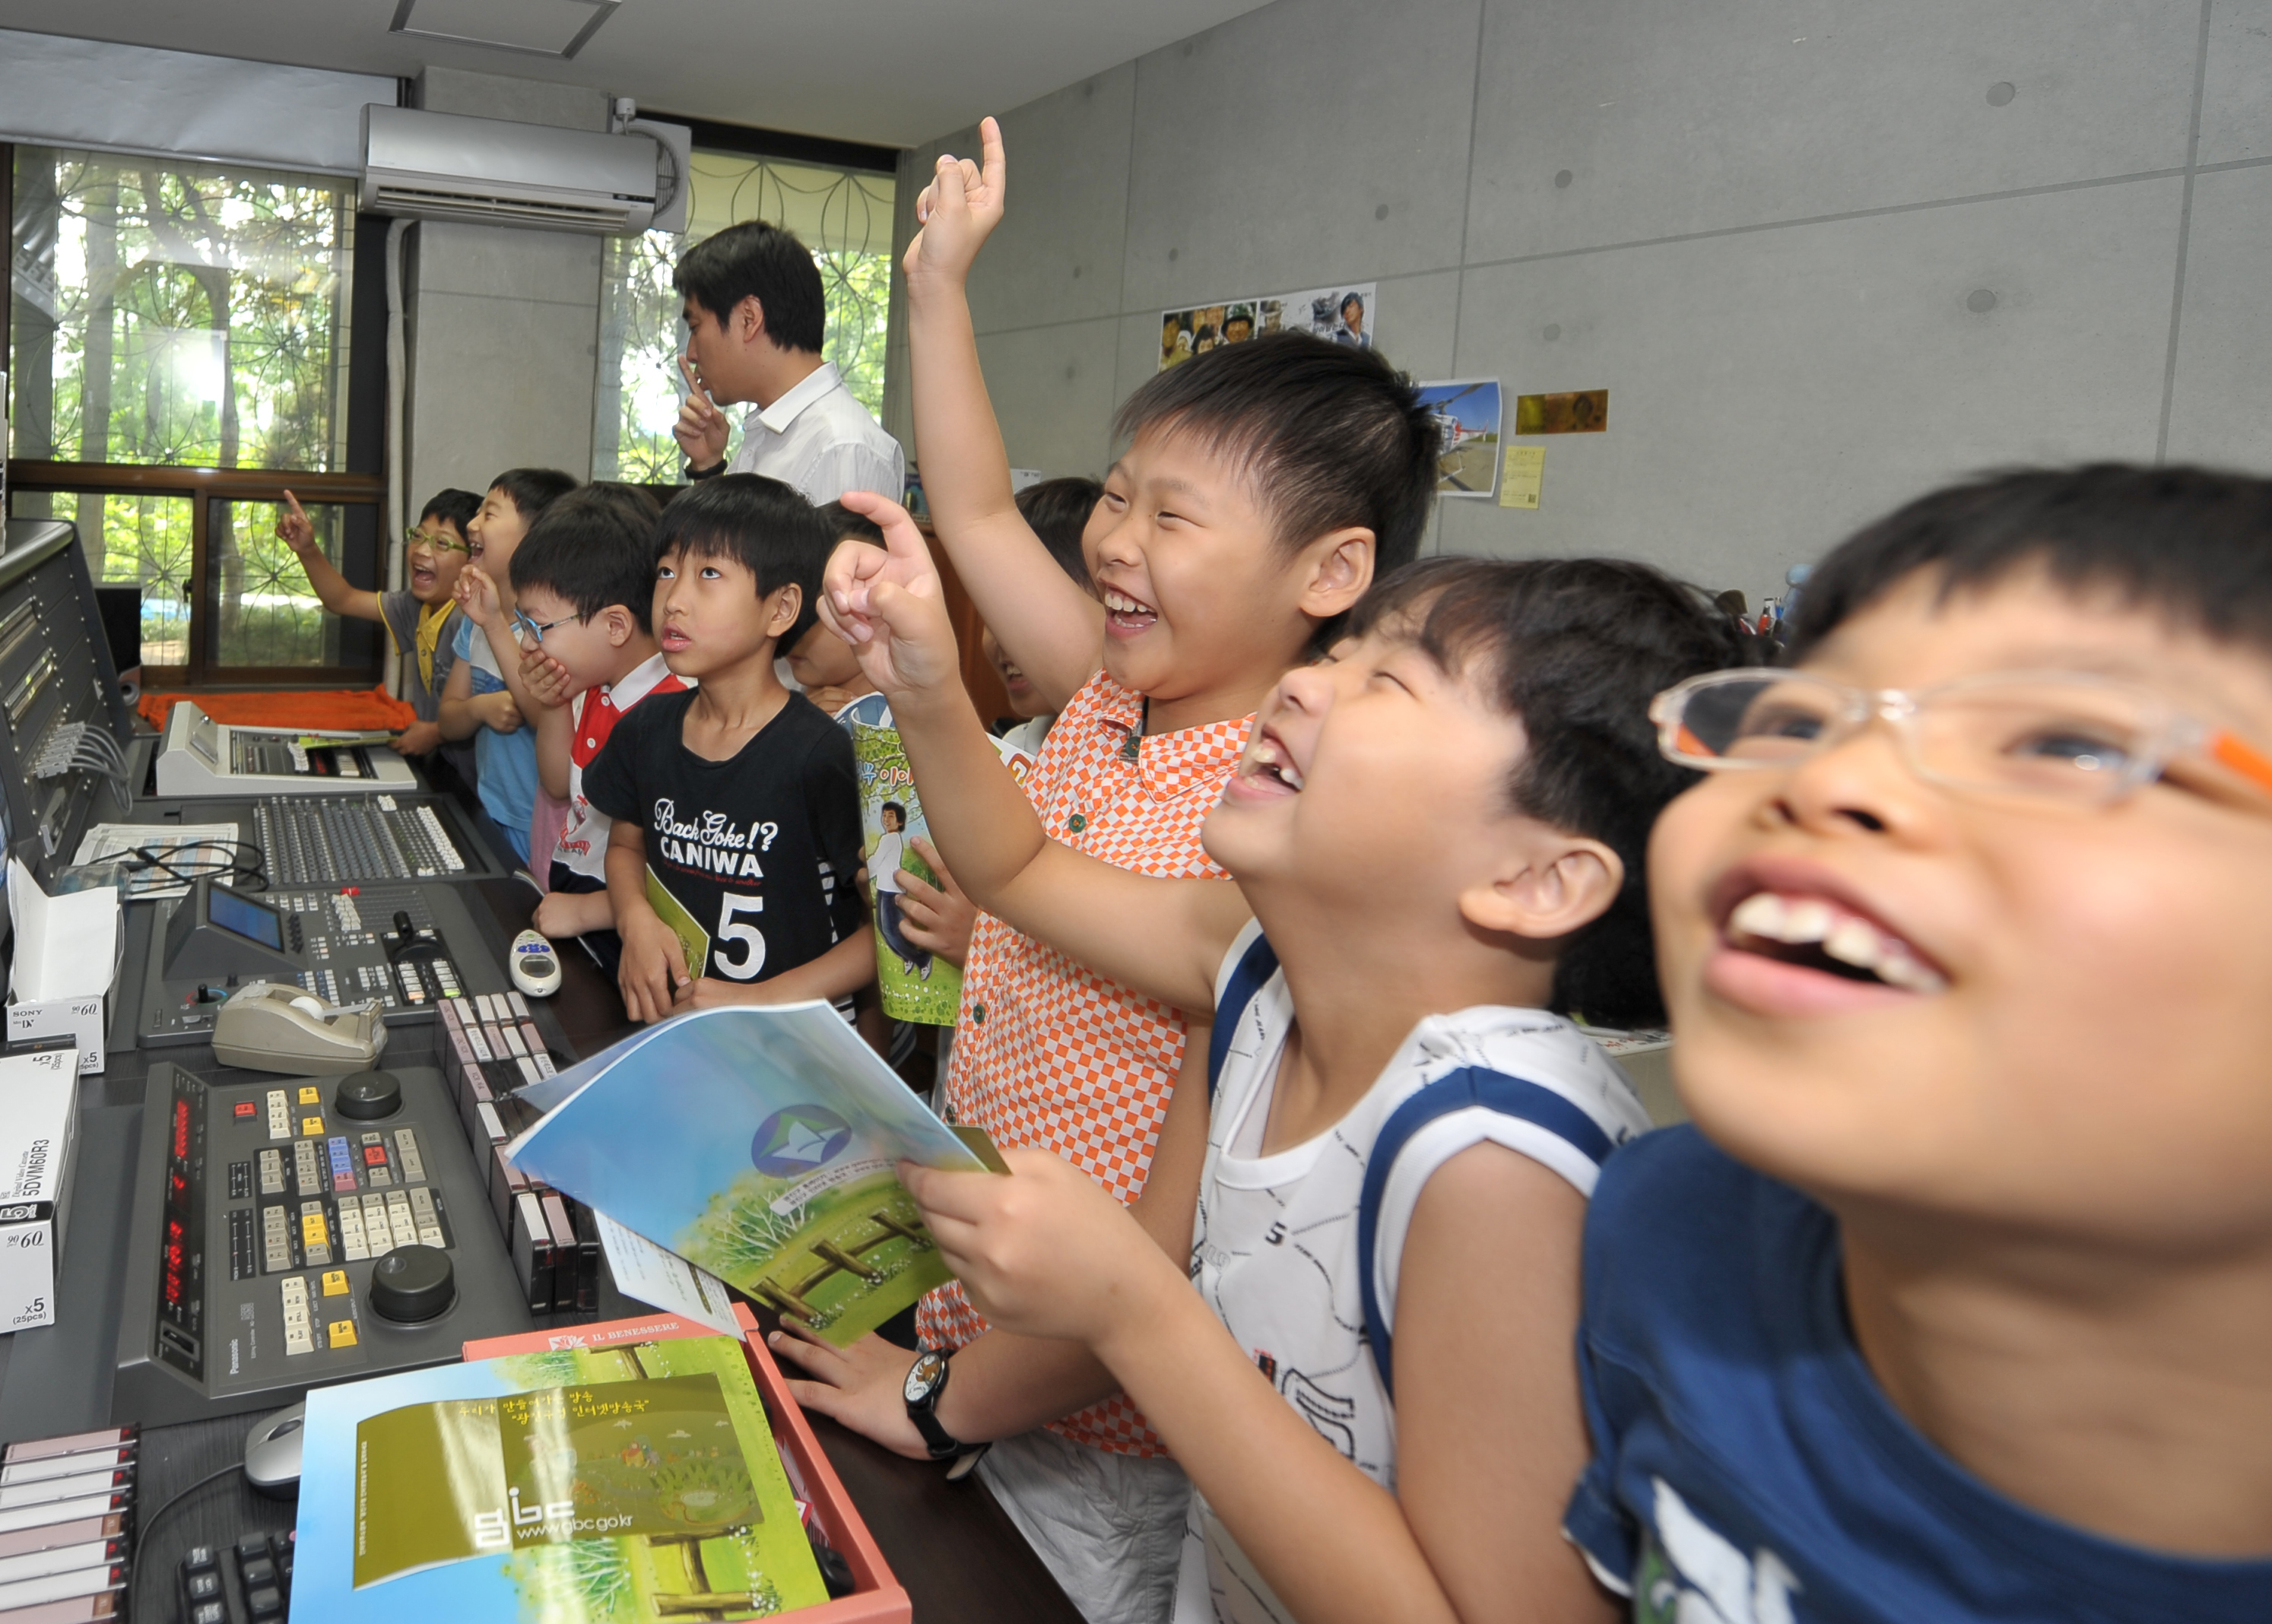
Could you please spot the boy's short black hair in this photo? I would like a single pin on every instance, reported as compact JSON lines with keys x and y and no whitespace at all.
{"x":532,"y":490}
{"x":895,"y":808}
{"x":594,"y":547}
{"x":2193,"y":545}
{"x":1575,"y":648}
{"x":453,"y":508}
{"x":1329,"y":434}
{"x":844,"y":524}
{"x":763,"y":525}
{"x":1058,"y":510}
{"x":754,"y":258}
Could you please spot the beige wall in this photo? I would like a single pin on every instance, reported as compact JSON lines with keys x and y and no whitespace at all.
{"x":503,"y":322}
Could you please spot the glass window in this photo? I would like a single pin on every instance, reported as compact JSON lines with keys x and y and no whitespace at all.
{"x":264,"y":611}
{"x":844,"y":216}
{"x":151,"y":547}
{"x":175,"y":314}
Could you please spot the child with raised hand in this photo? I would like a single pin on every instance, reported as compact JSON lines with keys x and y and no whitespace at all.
{"x":1263,"y":487}
{"x":416,"y":615}
{"x":1953,"y":1303}
{"x":735,"y":804}
{"x":1438,"y":831}
{"x":584,"y":583}
{"x":478,"y":702}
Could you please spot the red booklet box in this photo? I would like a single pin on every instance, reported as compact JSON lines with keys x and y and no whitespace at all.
{"x":876,"y":1597}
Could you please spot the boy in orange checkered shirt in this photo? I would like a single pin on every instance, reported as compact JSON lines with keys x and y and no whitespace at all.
{"x":1265,"y":485}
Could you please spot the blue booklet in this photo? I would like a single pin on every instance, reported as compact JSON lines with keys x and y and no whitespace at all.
{"x":759,"y":1143}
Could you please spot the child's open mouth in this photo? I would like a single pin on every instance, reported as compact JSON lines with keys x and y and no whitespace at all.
{"x":420,"y":579}
{"x":1125,"y":616}
{"x":1816,"y":935}
{"x":1268,"y":771}
{"x":674,"y":641}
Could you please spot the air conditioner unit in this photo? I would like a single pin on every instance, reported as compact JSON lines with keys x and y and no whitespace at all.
{"x":441,"y":166}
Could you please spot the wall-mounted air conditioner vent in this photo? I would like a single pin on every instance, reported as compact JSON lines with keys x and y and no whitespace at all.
{"x":441,"y":166}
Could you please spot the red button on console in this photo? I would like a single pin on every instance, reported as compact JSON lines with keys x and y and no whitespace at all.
{"x":374,"y":1156}
{"x":244,"y":1108}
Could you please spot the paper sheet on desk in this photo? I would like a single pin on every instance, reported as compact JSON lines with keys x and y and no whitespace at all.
{"x":67,"y":946}
{"x":646,"y":1273}
{"x":179,"y":854}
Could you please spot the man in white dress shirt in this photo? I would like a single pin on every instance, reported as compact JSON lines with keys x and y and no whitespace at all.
{"x":755,"y":313}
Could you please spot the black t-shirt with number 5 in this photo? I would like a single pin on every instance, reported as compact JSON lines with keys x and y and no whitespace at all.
{"x":759,"y":849}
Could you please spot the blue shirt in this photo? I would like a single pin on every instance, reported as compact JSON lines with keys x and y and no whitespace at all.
{"x":504,"y":764}
{"x":1748,"y":1469}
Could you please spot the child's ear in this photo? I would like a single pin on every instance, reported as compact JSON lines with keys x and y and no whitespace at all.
{"x":618,"y":623}
{"x":783,"y":605}
{"x":1339,"y":569}
{"x":1546,"y":883}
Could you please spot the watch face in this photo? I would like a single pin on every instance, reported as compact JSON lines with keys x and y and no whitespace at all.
{"x":924,"y":1375}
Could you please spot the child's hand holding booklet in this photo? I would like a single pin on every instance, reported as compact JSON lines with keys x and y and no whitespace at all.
{"x":759,"y":1143}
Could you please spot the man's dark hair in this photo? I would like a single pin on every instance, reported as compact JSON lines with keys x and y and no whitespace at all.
{"x":754,"y":259}
{"x":763,"y":525}
{"x":896,"y":809}
{"x":2190,"y":543}
{"x":453,"y":508}
{"x":594,"y":547}
{"x":532,"y":490}
{"x":1058,"y":510}
{"x":844,"y":524}
{"x":1575,"y":648}
{"x":1329,"y":436}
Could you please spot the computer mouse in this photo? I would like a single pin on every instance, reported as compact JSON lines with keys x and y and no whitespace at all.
{"x":271,"y":1453}
{"x":534,"y":966}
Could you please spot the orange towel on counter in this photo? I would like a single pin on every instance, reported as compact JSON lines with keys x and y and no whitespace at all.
{"x":345,"y":708}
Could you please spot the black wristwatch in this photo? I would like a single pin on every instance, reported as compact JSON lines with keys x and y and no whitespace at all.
{"x":711,"y":472}
{"x":926,"y":1380}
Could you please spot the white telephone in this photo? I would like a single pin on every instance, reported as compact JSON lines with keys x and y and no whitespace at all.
{"x":273,"y":1028}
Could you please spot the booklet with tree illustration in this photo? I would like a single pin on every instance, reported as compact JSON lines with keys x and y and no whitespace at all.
{"x":758,"y":1144}
{"x":624,"y":1484}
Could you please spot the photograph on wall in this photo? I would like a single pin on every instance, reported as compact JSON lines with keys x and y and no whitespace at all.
{"x":1583,"y":411}
{"x":1346,"y":315}
{"x":1466,"y":414}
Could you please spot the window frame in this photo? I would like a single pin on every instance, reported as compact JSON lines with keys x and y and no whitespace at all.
{"x":360,"y":488}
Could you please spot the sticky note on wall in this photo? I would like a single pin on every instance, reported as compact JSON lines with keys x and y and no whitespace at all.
{"x":1526,"y":469}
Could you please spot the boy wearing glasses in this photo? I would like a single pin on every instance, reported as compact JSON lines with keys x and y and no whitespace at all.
{"x":583,"y":580}
{"x":416,"y":616}
{"x":1955,"y":1302}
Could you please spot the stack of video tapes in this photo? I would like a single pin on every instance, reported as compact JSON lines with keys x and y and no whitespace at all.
{"x":491,"y":1050}
{"x":66,"y":1516}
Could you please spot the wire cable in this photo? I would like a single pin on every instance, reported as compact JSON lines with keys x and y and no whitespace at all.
{"x":149,"y":1527}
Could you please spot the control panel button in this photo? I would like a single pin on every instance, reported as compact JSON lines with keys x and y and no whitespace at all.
{"x":335,"y":1283}
{"x":310,"y":1096}
{"x":313,"y":1126}
{"x":342,"y":1333}
{"x":412,"y":1283}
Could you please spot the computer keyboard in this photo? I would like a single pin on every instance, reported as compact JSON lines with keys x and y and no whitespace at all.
{"x":322,"y":839}
{"x":248,"y":1583}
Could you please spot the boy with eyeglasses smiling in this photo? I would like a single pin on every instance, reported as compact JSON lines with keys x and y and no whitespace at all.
{"x":1955,"y":1302}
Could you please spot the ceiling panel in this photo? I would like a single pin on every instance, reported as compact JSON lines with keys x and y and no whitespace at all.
{"x":888,"y":71}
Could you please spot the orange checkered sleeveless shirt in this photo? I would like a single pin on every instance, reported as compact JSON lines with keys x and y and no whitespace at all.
{"x":1045,"y":1051}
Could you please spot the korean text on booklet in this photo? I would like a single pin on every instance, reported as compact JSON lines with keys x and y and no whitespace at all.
{"x":757,"y":1143}
{"x":629,"y":1485}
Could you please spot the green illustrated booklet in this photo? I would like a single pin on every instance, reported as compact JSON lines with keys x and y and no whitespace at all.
{"x":629,"y":1484}
{"x":757,"y":1143}
{"x":915,"y":984}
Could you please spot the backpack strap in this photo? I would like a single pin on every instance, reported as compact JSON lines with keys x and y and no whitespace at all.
{"x":1465,"y":1089}
{"x":1255,"y":967}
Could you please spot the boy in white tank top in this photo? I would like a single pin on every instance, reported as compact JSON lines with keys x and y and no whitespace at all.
{"x":1440,"y":829}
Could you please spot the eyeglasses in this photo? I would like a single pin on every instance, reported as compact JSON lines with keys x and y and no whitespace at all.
{"x":2062,"y":737}
{"x":417,"y":538}
{"x":536,"y":631}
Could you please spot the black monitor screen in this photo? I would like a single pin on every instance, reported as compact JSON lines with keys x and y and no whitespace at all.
{"x":245,"y":917}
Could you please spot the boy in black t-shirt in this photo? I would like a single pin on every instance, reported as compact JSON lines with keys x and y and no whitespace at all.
{"x":735,"y":807}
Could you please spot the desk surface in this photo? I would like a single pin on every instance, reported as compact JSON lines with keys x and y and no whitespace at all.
{"x":950,"y":1545}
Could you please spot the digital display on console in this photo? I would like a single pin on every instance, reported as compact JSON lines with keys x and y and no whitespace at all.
{"x":245,"y":917}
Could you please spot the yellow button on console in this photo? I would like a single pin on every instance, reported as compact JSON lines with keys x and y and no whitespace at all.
{"x":342,"y":1333}
{"x":313,"y":1126}
{"x":311,"y":1096}
{"x":312,"y":1232}
{"x":335,"y":1283}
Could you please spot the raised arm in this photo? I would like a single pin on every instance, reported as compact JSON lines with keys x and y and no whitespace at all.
{"x":1165,"y":938}
{"x":1049,"y":626}
{"x":548,"y":683}
{"x":336,"y":593}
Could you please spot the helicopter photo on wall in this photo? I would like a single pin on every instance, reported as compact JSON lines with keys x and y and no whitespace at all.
{"x":1466,"y":412}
